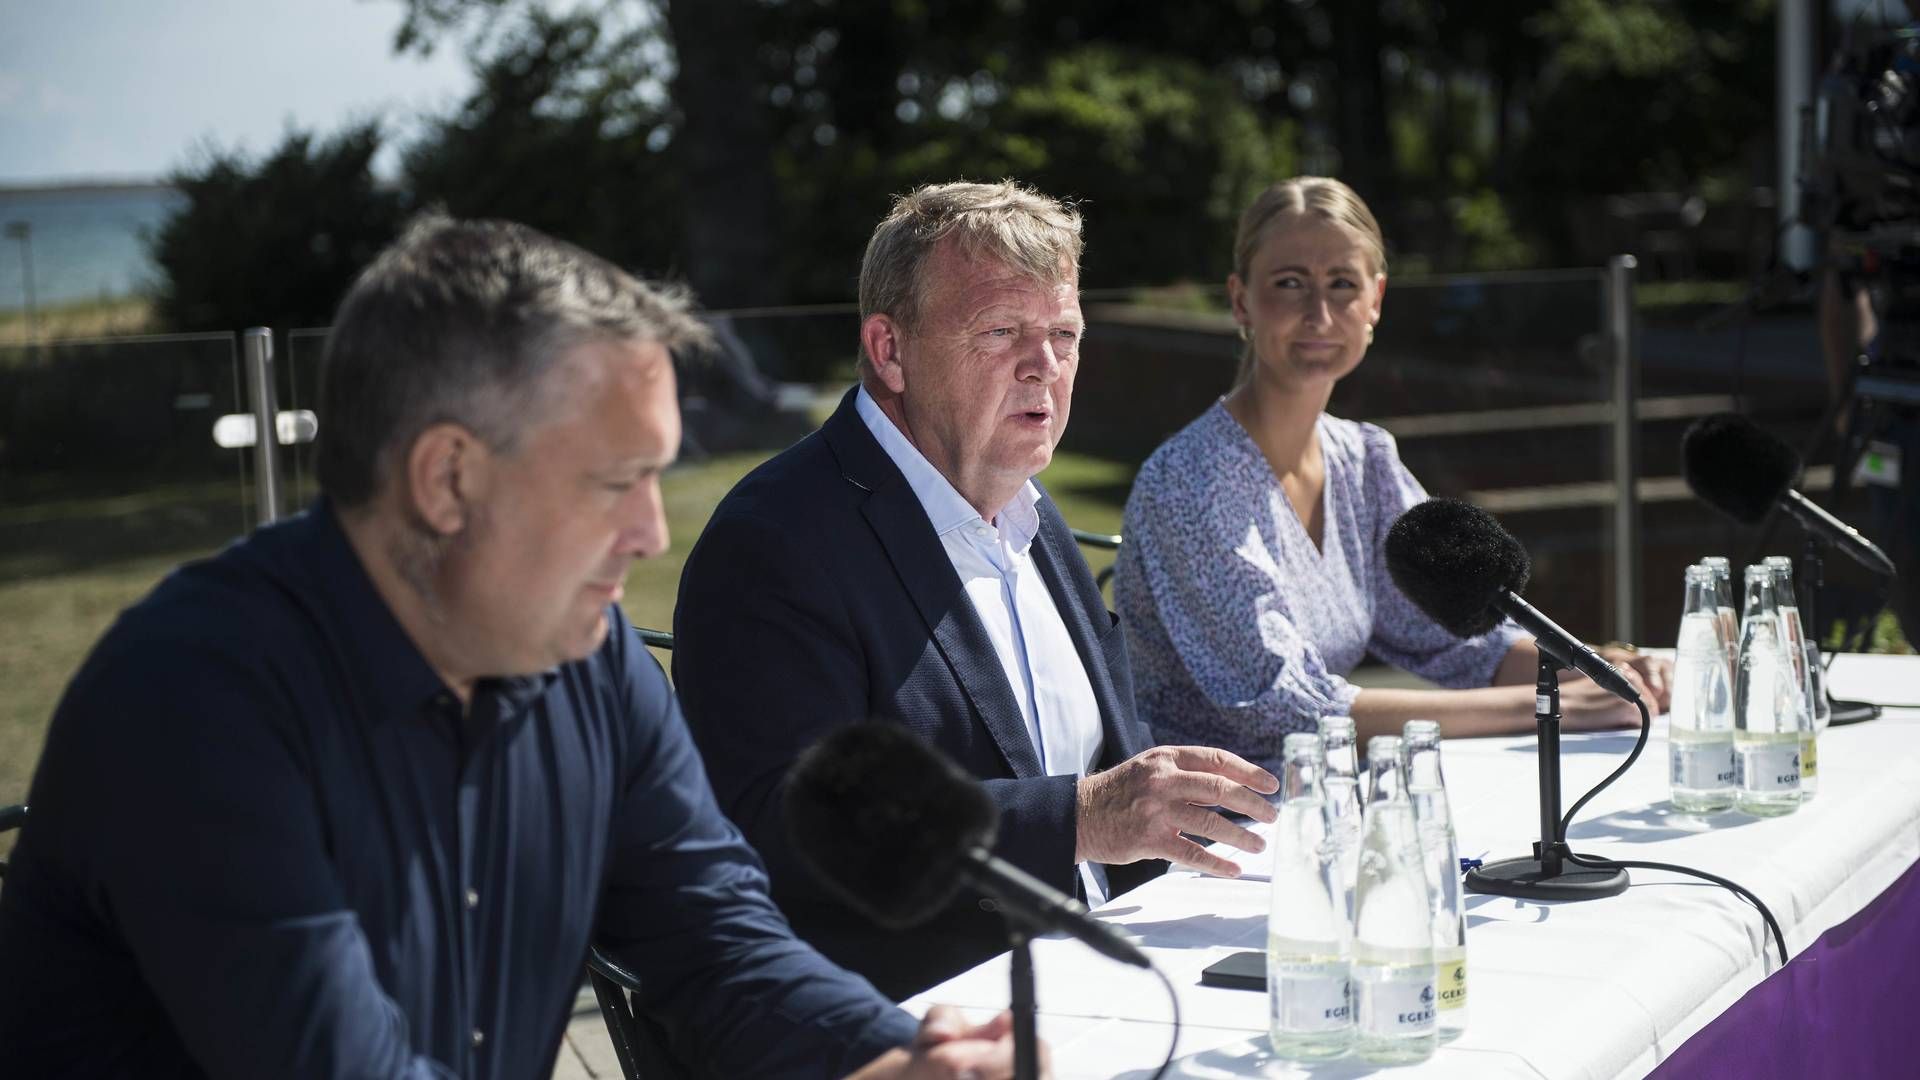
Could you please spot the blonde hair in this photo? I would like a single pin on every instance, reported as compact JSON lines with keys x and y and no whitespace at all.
{"x":1320,"y":196}
{"x":1033,"y":233}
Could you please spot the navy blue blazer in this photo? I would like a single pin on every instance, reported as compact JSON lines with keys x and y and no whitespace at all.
{"x":820,"y":595}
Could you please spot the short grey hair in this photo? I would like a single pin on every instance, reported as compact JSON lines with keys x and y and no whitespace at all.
{"x":462,"y":322}
{"x":1033,"y":233}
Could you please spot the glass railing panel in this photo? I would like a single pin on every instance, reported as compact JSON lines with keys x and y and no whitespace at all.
{"x":110,"y":476}
{"x":298,"y":376}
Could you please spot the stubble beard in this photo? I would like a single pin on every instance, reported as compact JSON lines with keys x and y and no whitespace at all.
{"x":419,"y":555}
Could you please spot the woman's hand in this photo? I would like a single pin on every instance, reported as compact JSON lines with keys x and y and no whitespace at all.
{"x":1652,"y":676}
{"x":949,"y":1048}
{"x":1584,"y":706}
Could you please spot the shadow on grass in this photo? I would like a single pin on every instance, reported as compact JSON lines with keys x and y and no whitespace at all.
{"x":82,"y":532}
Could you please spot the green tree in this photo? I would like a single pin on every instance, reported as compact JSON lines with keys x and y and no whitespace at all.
{"x":1163,"y":154}
{"x":1638,"y":95}
{"x":273,"y":242}
{"x":566,"y":131}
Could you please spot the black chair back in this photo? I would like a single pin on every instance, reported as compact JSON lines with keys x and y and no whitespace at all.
{"x":11,"y":818}
{"x":639,"y":1041}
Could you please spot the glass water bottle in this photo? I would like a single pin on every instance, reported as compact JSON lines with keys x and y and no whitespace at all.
{"x":1309,"y":939}
{"x":1794,"y":635}
{"x":1700,"y":715}
{"x":1766,"y":731}
{"x":1440,"y":855}
{"x":1343,"y":800}
{"x":1723,"y":597}
{"x":1393,"y":972}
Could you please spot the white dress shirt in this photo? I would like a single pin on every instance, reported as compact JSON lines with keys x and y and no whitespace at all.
{"x":995,"y":567}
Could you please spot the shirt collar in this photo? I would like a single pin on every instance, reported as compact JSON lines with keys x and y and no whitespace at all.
{"x":1018,"y":521}
{"x":312,"y":556}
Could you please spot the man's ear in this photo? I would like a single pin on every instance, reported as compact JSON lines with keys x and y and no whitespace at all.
{"x":447,"y":468}
{"x":880,"y":339}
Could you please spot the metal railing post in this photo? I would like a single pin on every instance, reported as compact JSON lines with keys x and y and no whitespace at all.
{"x":1624,"y":357}
{"x":256,"y":343}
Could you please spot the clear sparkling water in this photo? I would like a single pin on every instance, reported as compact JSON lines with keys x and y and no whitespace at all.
{"x":1309,"y":998}
{"x":1700,"y":718}
{"x":1396,"y":1011}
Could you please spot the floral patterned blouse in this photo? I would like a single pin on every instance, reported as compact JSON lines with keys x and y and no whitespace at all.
{"x":1239,"y":629}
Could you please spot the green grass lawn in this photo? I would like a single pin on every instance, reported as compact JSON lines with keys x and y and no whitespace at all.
{"x":68,"y":567}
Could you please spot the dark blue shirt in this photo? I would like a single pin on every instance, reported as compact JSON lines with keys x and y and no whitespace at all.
{"x":266,"y":841}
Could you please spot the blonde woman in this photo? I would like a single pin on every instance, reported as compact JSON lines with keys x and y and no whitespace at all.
{"x":1252,"y":579}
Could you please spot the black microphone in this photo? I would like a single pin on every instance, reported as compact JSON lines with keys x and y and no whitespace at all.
{"x":1455,"y":562}
{"x":1742,"y":470}
{"x":895,"y":828}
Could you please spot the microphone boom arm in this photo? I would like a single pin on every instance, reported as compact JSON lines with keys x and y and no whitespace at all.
{"x":1043,"y":908}
{"x":1567,"y":650}
{"x":1836,"y":533}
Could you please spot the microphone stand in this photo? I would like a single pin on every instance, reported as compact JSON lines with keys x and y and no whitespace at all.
{"x":1810,"y":582}
{"x":1547,"y":874}
{"x":1021,"y":999}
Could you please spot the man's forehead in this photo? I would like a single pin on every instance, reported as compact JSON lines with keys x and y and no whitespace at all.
{"x":628,"y":382}
{"x":976,"y":281}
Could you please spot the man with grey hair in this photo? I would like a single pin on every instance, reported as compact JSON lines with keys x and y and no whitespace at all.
{"x":352,"y":798}
{"x":901,"y":564}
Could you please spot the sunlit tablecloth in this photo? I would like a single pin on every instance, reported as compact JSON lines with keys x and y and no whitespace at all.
{"x":1602,"y":988}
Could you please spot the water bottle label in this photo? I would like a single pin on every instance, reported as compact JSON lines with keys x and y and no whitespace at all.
{"x":1311,"y":1001}
{"x":1769,"y":768}
{"x":1809,"y":758}
{"x":1453,"y":985}
{"x":1398,"y":1007}
{"x":1703,"y":766}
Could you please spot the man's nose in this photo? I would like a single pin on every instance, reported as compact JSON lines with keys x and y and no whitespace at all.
{"x":643,"y":522}
{"x":1041,"y":362}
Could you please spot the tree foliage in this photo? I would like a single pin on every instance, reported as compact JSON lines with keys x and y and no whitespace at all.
{"x":277,"y":240}
{"x":561,"y":133}
{"x":749,"y":145}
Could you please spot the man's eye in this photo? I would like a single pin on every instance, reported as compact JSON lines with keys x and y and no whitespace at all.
{"x":623,"y":484}
{"x":1002,"y":331}
{"x":1069,"y":335}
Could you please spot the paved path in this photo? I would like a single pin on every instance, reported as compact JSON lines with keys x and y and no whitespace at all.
{"x":586,"y":1053}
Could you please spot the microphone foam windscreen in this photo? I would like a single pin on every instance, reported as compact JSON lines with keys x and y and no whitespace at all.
{"x":1736,"y":466}
{"x":1452,"y":559}
{"x":882,"y":819}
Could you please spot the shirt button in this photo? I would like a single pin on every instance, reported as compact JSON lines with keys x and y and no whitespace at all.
{"x":478,"y":1038}
{"x":473,"y":899}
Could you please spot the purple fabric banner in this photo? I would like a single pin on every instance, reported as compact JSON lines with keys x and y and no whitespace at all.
{"x":1844,"y":1007}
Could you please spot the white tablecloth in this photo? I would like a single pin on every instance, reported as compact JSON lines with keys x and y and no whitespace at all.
{"x":1600,"y":988}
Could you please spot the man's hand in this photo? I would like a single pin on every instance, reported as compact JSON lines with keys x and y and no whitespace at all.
{"x":948,"y":1048}
{"x":1138,"y":809}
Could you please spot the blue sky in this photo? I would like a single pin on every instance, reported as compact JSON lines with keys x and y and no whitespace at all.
{"x":124,"y":89}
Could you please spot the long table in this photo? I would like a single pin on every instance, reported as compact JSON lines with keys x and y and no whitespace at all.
{"x":1603,"y":988}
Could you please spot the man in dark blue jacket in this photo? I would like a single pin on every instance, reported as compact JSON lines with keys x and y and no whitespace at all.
{"x":901,"y":564}
{"x":352,"y":798}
